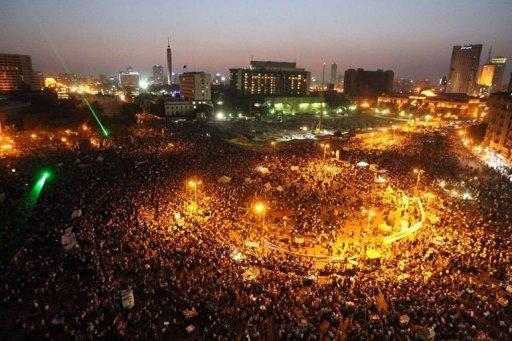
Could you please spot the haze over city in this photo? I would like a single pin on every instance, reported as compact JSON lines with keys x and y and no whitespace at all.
{"x":413,"y":38}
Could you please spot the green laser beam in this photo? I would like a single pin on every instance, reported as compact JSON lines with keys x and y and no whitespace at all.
{"x":103,"y":130}
{"x":38,"y":187}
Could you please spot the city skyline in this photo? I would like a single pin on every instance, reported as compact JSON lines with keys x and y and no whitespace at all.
{"x":106,"y":37}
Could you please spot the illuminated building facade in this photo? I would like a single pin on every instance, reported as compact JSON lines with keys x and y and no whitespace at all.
{"x":129,"y":78}
{"x":176,"y":108}
{"x":498,"y":136}
{"x":464,"y":66}
{"x":15,"y":70}
{"x":158,"y":74}
{"x":196,"y":87}
{"x":360,"y":83}
{"x":460,"y":105}
{"x":267,"y":78}
{"x":491,"y":76}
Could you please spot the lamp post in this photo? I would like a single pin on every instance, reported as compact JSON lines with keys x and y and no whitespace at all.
{"x":418,"y":174}
{"x":325,"y":146}
{"x":260,"y":209}
{"x":193,"y":184}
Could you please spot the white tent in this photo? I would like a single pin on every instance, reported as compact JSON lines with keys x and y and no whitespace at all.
{"x":263,"y":170}
{"x":224,"y":179}
{"x":362,"y":164}
{"x":279,"y":188}
{"x":76,"y":213}
{"x":294,"y":168}
{"x":127,"y":298}
{"x":68,"y":240}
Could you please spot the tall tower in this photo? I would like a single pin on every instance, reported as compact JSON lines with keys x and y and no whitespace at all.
{"x":334,"y":73}
{"x":169,"y":61}
{"x":463,"y":69}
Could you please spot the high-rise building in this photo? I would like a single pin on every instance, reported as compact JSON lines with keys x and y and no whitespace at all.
{"x":499,"y":63}
{"x":491,"y":75}
{"x":498,"y":136}
{"x":334,"y":73}
{"x":271,"y":79}
{"x":463,"y":69}
{"x":158,"y":74}
{"x":196,"y":87}
{"x":403,"y":85}
{"x":367,"y":84}
{"x":38,"y":80}
{"x":129,"y":78}
{"x":15,"y":70}
{"x":169,"y":62}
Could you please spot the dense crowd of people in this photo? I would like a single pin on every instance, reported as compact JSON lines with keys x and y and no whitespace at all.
{"x":184,"y":254}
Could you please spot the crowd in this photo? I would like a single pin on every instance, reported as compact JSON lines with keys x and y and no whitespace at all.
{"x":141,"y":228}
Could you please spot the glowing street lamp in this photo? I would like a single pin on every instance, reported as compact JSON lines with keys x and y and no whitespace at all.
{"x":418,"y":173}
{"x":260,"y":208}
{"x":325,"y":146}
{"x":194,"y":184}
{"x":371,"y":214}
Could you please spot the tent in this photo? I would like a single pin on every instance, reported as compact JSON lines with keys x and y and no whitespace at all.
{"x":127,"y":298}
{"x":373,"y":254}
{"x":68,"y":240}
{"x":190,"y":313}
{"x":248,"y":243}
{"x":268,"y":186}
{"x":279,"y":188}
{"x":263,"y":170}
{"x":362,"y":164}
{"x":294,"y":168}
{"x":404,"y":319}
{"x":76,"y":213}
{"x":224,"y":179}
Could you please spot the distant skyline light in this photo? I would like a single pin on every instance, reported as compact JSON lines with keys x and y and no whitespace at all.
{"x":412,"y":38}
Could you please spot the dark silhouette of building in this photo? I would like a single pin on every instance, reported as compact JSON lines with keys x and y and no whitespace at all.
{"x":271,"y":79}
{"x":510,"y":83}
{"x":367,"y":84}
{"x":463,"y":69}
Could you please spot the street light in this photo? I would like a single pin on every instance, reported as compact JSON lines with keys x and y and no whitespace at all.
{"x":418,"y":173}
{"x":193,"y":184}
{"x":260,"y":208}
{"x":325,"y":146}
{"x":371,"y":214}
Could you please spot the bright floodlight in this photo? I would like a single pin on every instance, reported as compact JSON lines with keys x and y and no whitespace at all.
{"x":220,"y":116}
{"x":143,"y":84}
{"x":259,"y":207}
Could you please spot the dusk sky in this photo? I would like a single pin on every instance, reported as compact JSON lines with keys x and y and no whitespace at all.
{"x":413,"y":38}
